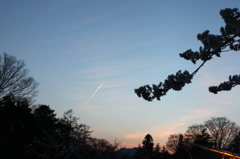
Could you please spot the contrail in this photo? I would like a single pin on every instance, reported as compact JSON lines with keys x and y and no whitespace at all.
{"x":92,"y":95}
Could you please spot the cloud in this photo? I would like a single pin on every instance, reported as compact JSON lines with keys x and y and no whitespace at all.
{"x":91,"y":107}
{"x":119,"y":83}
{"x":96,"y":113}
{"x":214,"y":74}
{"x":100,"y":72}
{"x":114,"y":90}
{"x":208,"y":80}
{"x":227,"y":69}
{"x":196,"y":114}
{"x":157,"y":131}
{"x":162,"y":132}
{"x":181,"y":124}
{"x":137,"y":135}
{"x":107,"y":70}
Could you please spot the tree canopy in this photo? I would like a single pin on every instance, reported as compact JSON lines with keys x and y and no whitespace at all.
{"x":213,"y":46}
{"x":148,"y":143}
{"x":147,"y":150}
{"x":28,"y":132}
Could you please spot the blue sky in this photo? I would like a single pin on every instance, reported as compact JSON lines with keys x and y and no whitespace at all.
{"x":71,"y":47}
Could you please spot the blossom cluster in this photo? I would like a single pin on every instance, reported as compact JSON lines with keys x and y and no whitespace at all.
{"x":175,"y":82}
{"x":215,"y":44}
{"x":229,"y":38}
{"x":227,"y":85}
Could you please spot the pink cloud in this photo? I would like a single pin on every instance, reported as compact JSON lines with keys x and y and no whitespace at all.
{"x":196,"y":114}
{"x":138,"y":135}
{"x":159,"y":133}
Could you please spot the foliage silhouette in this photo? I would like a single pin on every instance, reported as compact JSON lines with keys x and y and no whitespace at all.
{"x":148,"y":143}
{"x":173,"y":142}
{"x":213,"y":45}
{"x":17,"y":127}
{"x":235,"y":145}
{"x":37,"y":133}
{"x":203,"y":139}
{"x":147,"y":150}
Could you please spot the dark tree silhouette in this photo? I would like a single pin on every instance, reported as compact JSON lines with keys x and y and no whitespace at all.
{"x":203,"y":139}
{"x":148,"y":143}
{"x":14,"y":79}
{"x":27,"y":133}
{"x":213,"y":45}
{"x":45,"y":141}
{"x":157,"y":148}
{"x":147,"y":150}
{"x":182,"y":151}
{"x":67,"y":125}
{"x":217,"y":132}
{"x":104,"y":149}
{"x":235,"y":146}
{"x":173,"y":142}
{"x":194,"y":131}
{"x":17,"y":127}
{"x":45,"y":117}
{"x":222,"y":131}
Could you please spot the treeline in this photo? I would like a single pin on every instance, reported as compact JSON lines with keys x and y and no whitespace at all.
{"x":37,"y":133}
{"x":218,"y":133}
{"x":148,"y":150}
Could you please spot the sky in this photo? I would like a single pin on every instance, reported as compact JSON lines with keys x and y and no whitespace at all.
{"x":89,"y":56}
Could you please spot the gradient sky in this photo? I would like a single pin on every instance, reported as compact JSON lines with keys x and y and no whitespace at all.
{"x":72,"y":46}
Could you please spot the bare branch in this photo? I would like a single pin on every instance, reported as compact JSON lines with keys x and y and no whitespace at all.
{"x":14,"y":79}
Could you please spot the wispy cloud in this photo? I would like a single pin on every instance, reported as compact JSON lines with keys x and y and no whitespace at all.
{"x":181,"y":124}
{"x":137,"y":135}
{"x":96,"y":113}
{"x":100,"y":72}
{"x":214,"y":74}
{"x":106,"y":71}
{"x":196,"y":114}
{"x":227,"y":69}
{"x":118,"y":83}
{"x":158,"y":132}
{"x":161,"y":132}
